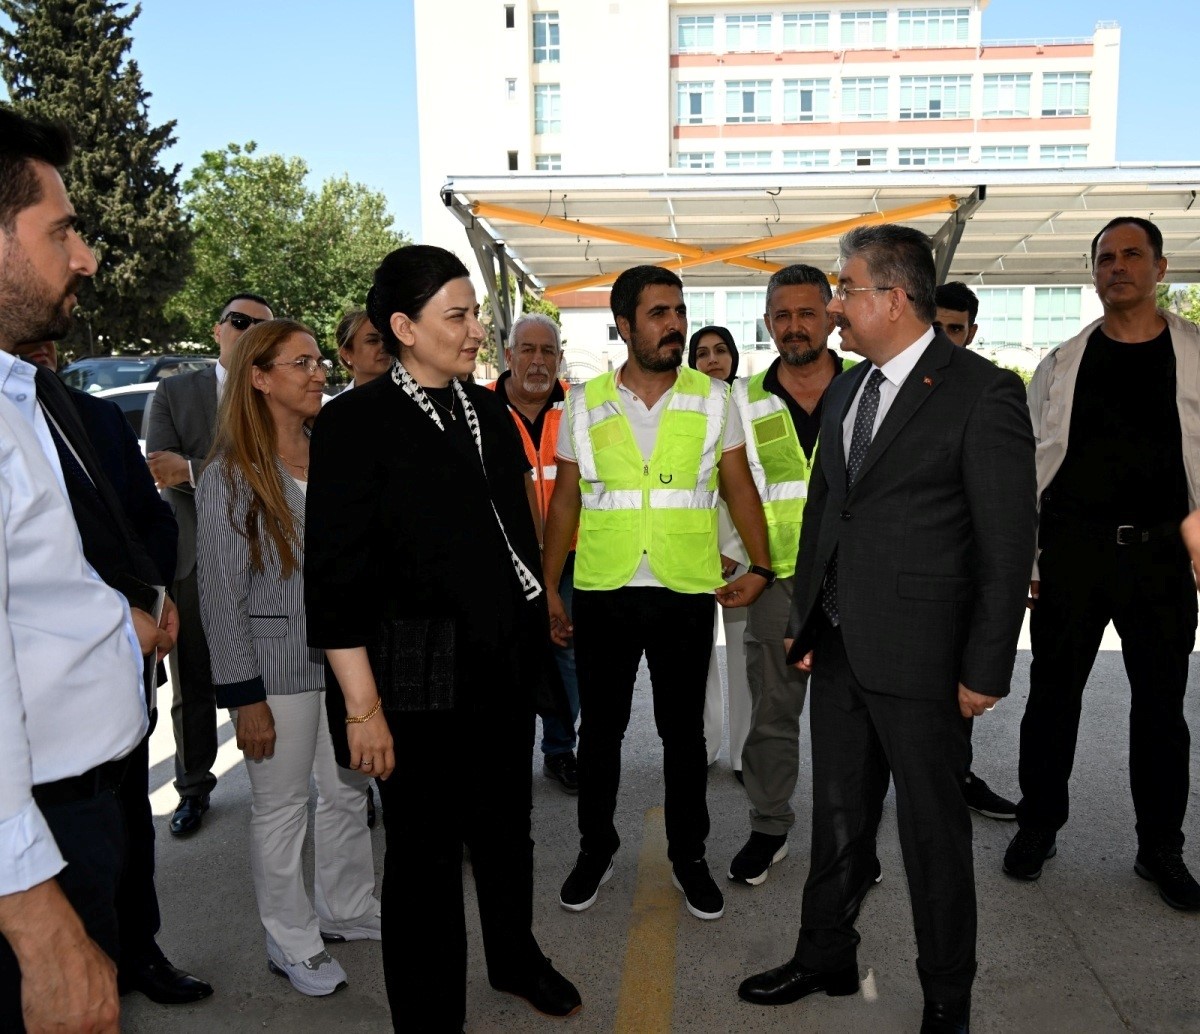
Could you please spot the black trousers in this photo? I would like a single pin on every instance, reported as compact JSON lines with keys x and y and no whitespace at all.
{"x":137,"y":899}
{"x":1147,"y":591}
{"x":857,"y":737}
{"x":480,"y":796}
{"x":91,"y":838}
{"x":613,"y":629}
{"x":194,"y":706}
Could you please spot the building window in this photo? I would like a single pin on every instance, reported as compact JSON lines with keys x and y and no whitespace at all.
{"x":743,"y":317}
{"x":547,"y":162}
{"x":864,"y":28}
{"x":807,"y":31}
{"x":1006,"y":95}
{"x":701,"y":309}
{"x":613,"y":335}
{"x":695,"y":35}
{"x":694,"y":104}
{"x":547,"y":109}
{"x":747,"y":32}
{"x":1063,"y":154}
{"x":934,"y":155}
{"x":806,"y":159}
{"x":748,"y":100}
{"x":865,"y":100}
{"x":510,"y":16}
{"x":696,"y":160}
{"x":512,"y":161}
{"x":1066,"y":93}
{"x":1004,"y":154}
{"x":1055,"y":315}
{"x":545,"y":37}
{"x":1000,"y":316}
{"x":934,"y":26}
{"x":935,"y":96}
{"x":863,"y":156}
{"x":806,"y":100}
{"x":747,"y":159}
{"x":510,"y":89}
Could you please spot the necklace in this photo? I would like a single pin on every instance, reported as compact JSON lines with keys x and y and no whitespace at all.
{"x":296,"y":466}
{"x":450,"y":410}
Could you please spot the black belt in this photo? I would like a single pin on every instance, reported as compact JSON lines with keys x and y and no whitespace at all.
{"x":1119,"y":534}
{"x":84,"y":787}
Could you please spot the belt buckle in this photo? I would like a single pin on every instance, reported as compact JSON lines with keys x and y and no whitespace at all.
{"x":1122,"y":540}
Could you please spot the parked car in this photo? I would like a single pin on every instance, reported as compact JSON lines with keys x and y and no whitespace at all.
{"x":95,"y":373}
{"x":134,"y":400}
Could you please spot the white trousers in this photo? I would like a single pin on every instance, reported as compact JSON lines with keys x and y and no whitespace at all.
{"x":739,"y":691}
{"x":344,"y":881}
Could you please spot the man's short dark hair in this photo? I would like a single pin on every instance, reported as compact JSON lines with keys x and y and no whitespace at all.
{"x":23,"y":142}
{"x":958,"y":296}
{"x":791,"y":276}
{"x":896,"y":256}
{"x":246,"y":297}
{"x":1151,"y":231}
{"x":627,"y":289}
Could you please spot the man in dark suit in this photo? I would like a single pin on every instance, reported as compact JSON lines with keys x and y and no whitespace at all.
{"x":180,"y":429}
{"x":909,"y":593}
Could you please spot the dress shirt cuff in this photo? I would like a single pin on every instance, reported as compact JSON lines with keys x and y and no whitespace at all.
{"x":238,"y":694}
{"x":191,"y":475}
{"x":29,"y":854}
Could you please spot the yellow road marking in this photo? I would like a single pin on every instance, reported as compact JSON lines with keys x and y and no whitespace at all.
{"x":647,"y":997}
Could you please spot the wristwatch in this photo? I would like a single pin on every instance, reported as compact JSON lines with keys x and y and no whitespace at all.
{"x":762,"y":572}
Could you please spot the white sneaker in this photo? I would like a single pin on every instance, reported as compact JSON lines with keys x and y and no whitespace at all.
{"x":369,"y":929}
{"x":319,"y":976}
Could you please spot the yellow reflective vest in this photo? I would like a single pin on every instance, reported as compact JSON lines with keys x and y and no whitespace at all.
{"x":665,"y":508}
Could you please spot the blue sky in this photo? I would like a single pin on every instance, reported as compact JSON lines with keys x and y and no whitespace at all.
{"x":334,"y":83}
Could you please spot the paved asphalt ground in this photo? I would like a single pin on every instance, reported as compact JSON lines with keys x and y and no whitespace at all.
{"x":1089,"y":948}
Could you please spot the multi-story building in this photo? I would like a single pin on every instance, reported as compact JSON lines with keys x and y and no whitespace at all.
{"x":590,"y":87}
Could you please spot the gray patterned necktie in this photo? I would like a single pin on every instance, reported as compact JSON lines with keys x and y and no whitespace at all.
{"x":860,"y":441}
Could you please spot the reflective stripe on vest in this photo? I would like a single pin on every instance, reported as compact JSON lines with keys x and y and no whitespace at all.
{"x":665,"y":507}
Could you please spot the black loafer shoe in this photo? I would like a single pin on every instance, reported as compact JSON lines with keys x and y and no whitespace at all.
{"x":791,"y":982}
{"x":161,"y":982}
{"x":563,"y":768}
{"x":946,"y":1017}
{"x":547,"y":990}
{"x":188,"y":814}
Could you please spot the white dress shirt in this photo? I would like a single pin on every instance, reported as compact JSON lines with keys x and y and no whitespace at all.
{"x":895,"y":372}
{"x":71,"y":694}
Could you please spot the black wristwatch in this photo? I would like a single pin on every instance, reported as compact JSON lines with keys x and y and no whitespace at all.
{"x":762,"y":572}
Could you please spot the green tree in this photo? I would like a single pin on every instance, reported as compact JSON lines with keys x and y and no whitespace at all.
{"x":260,"y":229}
{"x":66,"y":61}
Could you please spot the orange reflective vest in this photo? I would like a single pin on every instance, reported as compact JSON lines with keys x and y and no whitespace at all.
{"x":541,"y":454}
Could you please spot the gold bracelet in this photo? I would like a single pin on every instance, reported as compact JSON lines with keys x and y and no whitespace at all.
{"x":356,"y":719}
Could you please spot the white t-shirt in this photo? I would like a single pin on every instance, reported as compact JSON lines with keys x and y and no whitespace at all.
{"x":644,"y":421}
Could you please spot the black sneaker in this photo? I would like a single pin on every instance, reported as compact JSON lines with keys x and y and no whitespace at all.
{"x":582,"y":887}
{"x":751,"y":863}
{"x":1164,"y":866}
{"x":562,"y":767}
{"x":980,"y":798}
{"x":702,"y":896}
{"x":1026,"y":852}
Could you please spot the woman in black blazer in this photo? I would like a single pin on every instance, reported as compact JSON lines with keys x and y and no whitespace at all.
{"x":423,"y":589}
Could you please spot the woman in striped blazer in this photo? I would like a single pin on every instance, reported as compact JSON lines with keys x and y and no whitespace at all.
{"x":250,"y":534}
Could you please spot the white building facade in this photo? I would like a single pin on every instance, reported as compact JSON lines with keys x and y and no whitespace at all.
{"x":590,"y":87}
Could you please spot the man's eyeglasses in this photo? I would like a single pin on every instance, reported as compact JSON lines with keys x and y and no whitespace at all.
{"x":840,"y":292}
{"x":305,"y":362}
{"x":240,"y":320}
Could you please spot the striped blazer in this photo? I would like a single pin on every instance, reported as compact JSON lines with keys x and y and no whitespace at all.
{"x":254,"y":622}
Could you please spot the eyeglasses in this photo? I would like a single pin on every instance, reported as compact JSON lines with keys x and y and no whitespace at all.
{"x":240,"y":320}
{"x":305,"y":362}
{"x":841,"y":292}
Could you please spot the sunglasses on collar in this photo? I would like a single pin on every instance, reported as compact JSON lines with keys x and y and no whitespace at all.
{"x":239,"y":320}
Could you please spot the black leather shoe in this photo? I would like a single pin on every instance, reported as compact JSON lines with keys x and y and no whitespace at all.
{"x":946,"y":1017}
{"x":188,"y":814}
{"x":547,"y":990}
{"x":161,"y":982}
{"x":563,"y":768}
{"x":791,"y":982}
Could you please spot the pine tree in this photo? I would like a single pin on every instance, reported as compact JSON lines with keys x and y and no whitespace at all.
{"x":66,"y":61}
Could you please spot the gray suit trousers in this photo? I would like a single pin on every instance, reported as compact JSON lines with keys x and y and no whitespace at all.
{"x":194,"y":703}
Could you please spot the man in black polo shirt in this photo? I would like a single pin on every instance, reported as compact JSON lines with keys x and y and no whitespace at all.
{"x":1115,"y":411}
